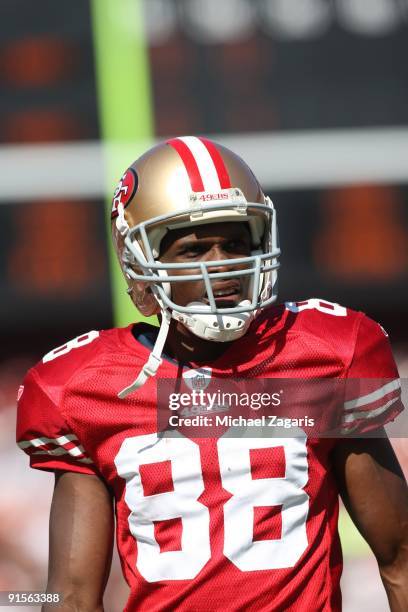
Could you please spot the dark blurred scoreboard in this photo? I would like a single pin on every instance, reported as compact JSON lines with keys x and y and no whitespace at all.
{"x":53,"y":261}
{"x":249,"y":65}
{"x":225,"y":67}
{"x":47,"y":74}
{"x":347,"y":244}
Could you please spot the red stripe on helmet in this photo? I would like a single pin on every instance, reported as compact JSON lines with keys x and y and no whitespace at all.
{"x":218,"y":162}
{"x":189,"y":162}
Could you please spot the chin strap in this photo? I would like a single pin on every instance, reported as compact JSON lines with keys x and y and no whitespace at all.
{"x":204,"y":325}
{"x":153,"y":363}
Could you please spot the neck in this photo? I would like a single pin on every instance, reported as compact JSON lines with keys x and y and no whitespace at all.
{"x":184,"y":346}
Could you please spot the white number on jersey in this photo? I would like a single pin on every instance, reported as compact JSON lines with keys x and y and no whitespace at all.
{"x":77,"y":342}
{"x":182,"y":502}
{"x":179,"y":503}
{"x":329,"y":308}
{"x":248,"y":493}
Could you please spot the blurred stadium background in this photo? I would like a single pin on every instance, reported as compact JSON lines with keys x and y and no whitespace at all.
{"x":312,"y":93}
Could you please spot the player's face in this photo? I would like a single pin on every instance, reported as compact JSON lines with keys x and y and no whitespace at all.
{"x":211,"y":242}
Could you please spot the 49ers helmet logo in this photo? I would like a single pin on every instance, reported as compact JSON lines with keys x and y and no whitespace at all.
{"x":125,"y":191}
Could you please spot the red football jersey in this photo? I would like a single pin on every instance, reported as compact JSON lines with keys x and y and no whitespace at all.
{"x":227,"y":523}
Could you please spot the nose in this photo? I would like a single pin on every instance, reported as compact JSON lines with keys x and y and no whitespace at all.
{"x":218,"y":253}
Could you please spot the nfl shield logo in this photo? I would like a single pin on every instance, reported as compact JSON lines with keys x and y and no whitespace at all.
{"x":197,"y":379}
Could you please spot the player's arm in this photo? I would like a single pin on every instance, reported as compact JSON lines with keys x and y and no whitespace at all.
{"x":81,"y":541}
{"x":375,"y":494}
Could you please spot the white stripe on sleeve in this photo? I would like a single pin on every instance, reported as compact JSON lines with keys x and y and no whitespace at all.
{"x":41,"y":441}
{"x":369,"y":414}
{"x":374,"y":396}
{"x":77,"y":450}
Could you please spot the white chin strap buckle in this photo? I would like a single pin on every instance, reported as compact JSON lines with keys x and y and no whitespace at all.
{"x":215,"y":327}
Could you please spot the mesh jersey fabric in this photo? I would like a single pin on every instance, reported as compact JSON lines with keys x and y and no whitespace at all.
{"x":236,"y":524}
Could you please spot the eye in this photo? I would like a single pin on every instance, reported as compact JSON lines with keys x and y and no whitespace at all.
{"x":191,"y":251}
{"x":237,"y":246}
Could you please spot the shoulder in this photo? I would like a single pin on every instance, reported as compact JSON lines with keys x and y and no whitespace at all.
{"x":330,"y":321}
{"x":317,"y":332}
{"x":346,"y":333}
{"x":321,"y":317}
{"x":60,"y":365}
{"x":313,"y":316}
{"x":44,"y":430}
{"x":362,"y":343}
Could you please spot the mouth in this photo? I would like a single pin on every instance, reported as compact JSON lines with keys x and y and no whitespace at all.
{"x":226,"y":295}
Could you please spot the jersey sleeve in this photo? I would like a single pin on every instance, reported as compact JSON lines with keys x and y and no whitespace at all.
{"x":44,"y":435}
{"x":373,"y":387}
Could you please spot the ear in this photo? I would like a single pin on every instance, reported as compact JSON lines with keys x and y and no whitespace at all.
{"x":143,"y":298}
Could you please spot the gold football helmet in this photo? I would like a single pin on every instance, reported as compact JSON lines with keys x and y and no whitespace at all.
{"x":185,"y":182}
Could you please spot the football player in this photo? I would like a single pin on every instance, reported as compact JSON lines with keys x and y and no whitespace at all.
{"x":222,"y":522}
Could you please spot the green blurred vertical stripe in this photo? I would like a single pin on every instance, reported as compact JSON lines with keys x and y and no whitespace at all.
{"x":125,"y":110}
{"x":352,"y":542}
